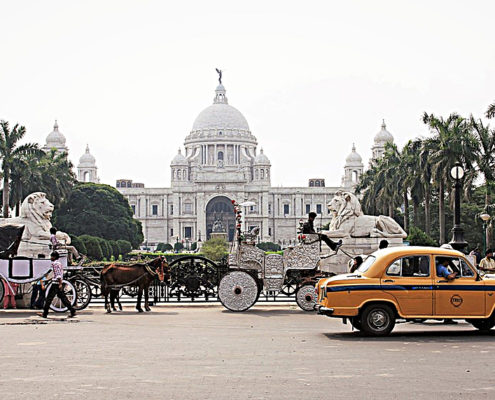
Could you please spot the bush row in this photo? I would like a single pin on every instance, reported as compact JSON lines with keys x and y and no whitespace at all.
{"x":97,"y":248}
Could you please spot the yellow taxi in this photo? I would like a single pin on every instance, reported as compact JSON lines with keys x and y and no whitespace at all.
{"x":409,"y":283}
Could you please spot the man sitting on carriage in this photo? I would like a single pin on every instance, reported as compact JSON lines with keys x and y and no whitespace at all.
{"x":308,"y":228}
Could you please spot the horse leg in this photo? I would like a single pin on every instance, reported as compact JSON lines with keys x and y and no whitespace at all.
{"x":112,"y":299}
{"x":118,"y":300}
{"x":105,"y":291}
{"x":146,"y":294}
{"x":138,"y":305}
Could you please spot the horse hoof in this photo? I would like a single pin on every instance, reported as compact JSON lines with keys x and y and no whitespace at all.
{"x":109,"y":311}
{"x":140,"y":310}
{"x":148,"y":309}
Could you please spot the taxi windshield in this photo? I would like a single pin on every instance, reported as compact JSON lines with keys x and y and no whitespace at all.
{"x":366,"y":264}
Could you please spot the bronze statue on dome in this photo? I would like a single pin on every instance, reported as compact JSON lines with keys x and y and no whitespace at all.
{"x":219,"y":71}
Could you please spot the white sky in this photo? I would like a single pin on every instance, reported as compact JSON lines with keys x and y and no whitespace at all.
{"x":311,"y":78}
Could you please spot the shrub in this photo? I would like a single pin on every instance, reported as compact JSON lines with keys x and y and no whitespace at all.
{"x":417,"y":237}
{"x":115,"y":248}
{"x":124,"y":246}
{"x":194,"y":246}
{"x":78,"y":244}
{"x":93,"y":248}
{"x":106,"y":249}
{"x":268,"y":246}
{"x":215,"y":249}
{"x":178,"y":247}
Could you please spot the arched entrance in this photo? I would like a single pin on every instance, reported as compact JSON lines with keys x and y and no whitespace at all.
{"x":220,"y":208}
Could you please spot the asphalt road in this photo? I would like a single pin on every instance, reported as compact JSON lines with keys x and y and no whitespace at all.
{"x":268,"y":352}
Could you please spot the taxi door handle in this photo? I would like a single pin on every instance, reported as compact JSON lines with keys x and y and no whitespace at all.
{"x":442,"y":281}
{"x":388,"y":280}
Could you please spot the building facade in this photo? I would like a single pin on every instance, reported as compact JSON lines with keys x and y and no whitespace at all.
{"x":222,"y":162}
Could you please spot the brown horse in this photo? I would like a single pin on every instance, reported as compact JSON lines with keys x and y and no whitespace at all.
{"x":115,"y":276}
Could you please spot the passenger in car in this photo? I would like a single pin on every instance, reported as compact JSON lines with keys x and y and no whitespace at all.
{"x":443,"y":271}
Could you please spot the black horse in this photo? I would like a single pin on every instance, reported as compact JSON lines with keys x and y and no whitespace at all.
{"x":115,"y":276}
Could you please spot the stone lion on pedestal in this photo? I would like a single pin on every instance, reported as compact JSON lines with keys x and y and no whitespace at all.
{"x":349,"y":220}
{"x":36,"y":212}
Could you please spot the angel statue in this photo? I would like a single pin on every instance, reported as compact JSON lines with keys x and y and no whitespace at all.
{"x":219,"y":72}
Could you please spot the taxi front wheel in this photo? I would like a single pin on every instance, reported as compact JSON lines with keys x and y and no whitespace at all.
{"x":378,"y":320}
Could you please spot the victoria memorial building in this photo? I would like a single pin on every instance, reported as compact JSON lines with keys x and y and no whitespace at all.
{"x":222,"y":161}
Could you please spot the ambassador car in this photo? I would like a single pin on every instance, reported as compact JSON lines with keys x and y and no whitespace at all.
{"x":402,"y":283}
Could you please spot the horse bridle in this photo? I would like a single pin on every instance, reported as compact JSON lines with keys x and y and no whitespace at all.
{"x":159,"y":270}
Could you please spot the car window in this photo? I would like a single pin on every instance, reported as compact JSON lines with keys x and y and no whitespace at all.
{"x":366,"y":264}
{"x":459,"y":265}
{"x":410,"y":266}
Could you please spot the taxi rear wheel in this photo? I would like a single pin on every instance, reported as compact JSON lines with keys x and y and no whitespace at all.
{"x":378,"y":320}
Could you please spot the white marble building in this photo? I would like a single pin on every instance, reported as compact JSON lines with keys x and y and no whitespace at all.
{"x":222,"y":162}
{"x":86,"y":169}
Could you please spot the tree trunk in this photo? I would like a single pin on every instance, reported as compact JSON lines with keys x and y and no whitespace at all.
{"x":406,"y":211}
{"x":489,"y":226}
{"x":415,"y":212}
{"x":5,"y":197}
{"x":441,"y":212}
{"x":390,"y":211}
{"x":18,"y":209}
{"x":427,"y":211}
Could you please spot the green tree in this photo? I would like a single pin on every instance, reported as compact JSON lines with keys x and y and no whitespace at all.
{"x":452,"y":143}
{"x":93,"y":248}
{"x":11,"y":155}
{"x":178,"y":246}
{"x":115,"y":248}
{"x":98,"y":210}
{"x":125,"y":246}
{"x":106,"y":249}
{"x":215,"y":248}
{"x":78,"y":244}
{"x":417,"y":237}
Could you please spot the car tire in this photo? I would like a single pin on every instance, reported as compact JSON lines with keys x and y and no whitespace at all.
{"x":378,"y":320}
{"x":483,"y":324}
{"x":356,"y":323}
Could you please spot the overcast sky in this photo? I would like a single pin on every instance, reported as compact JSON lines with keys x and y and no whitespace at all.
{"x":311,"y":77}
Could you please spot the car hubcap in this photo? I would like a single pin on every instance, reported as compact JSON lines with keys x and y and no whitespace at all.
{"x":378,"y":320}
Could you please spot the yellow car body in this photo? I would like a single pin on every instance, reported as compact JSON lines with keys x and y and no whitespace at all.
{"x":403,"y":283}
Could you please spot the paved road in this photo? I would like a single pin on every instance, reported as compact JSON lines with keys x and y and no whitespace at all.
{"x":269,"y":352}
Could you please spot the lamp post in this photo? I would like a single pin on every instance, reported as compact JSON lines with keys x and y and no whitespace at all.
{"x":457,"y":242}
{"x":485,"y":218}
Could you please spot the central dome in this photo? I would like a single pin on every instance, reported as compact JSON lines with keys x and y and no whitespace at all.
{"x":220,"y":115}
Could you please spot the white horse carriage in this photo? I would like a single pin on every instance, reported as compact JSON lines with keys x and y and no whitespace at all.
{"x":24,"y":270}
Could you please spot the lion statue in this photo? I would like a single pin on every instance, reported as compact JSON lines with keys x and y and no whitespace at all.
{"x":36,"y":212}
{"x":349,"y":220}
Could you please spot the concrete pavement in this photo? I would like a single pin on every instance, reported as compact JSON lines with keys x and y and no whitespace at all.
{"x":268,"y":352}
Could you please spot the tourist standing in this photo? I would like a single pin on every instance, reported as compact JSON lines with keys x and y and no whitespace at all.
{"x":488,"y":263}
{"x":57,"y":288}
{"x":10,"y":289}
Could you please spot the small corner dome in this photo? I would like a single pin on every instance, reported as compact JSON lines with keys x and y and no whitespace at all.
{"x":179,"y":159}
{"x":261,"y":159}
{"x":384,"y":136}
{"x":87,"y":159}
{"x":55,"y":138}
{"x":353,"y":158}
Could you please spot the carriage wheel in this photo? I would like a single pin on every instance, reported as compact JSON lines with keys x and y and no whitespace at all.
{"x":306,"y":297}
{"x":290,"y":287}
{"x":83,"y":294}
{"x":70,"y":292}
{"x":238,"y":291}
{"x":193,"y":277}
{"x":2,"y":290}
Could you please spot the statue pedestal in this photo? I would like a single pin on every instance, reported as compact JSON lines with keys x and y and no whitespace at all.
{"x":221,"y":235}
{"x":354,"y":247}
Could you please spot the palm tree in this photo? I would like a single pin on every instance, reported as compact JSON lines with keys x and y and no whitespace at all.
{"x":411,"y":154}
{"x":10,"y":154}
{"x":490,"y":112}
{"x":452,"y":143}
{"x":485,"y":159}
